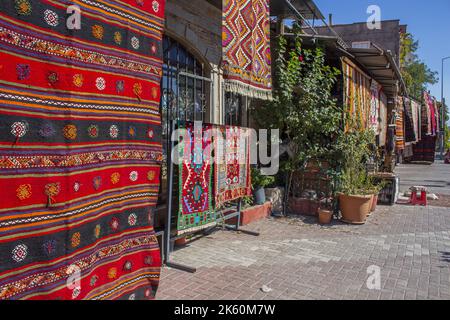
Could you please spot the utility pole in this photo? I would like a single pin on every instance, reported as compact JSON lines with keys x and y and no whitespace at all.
{"x":443,"y":109}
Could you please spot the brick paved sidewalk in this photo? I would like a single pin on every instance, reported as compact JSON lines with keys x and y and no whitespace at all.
{"x":299,"y":259}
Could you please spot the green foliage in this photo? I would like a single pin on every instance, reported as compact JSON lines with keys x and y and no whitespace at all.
{"x":303,"y":107}
{"x":353,"y":149}
{"x":416,"y":73}
{"x":259,"y":180}
{"x":247,"y":201}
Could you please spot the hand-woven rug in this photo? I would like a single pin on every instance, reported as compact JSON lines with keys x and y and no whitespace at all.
{"x":399,"y":131}
{"x":195,"y":180}
{"x":80,"y":148}
{"x":246,"y":48}
{"x":232,"y":174}
{"x":374,"y":106}
{"x":415,"y":107}
{"x":410,"y":134}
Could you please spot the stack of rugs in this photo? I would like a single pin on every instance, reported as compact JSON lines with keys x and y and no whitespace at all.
{"x":80,"y":148}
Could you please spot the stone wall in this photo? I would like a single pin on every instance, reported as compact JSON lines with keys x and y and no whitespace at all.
{"x":388,"y":37}
{"x":198,"y":25}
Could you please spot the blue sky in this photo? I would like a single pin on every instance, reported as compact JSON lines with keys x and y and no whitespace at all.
{"x":428,"y":21}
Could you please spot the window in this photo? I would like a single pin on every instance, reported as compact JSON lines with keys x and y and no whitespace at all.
{"x":181,"y":83}
{"x":185,"y":95}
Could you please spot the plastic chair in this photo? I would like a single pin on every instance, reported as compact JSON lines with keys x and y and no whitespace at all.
{"x":415,"y":200}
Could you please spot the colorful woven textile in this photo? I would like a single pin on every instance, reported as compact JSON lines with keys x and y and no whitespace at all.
{"x":425,"y":149}
{"x":195,"y":177}
{"x":232,"y":174}
{"x":357,"y":96}
{"x":383,"y":119}
{"x":415,"y":107}
{"x":410,"y":134}
{"x":400,"y":131}
{"x":80,"y":148}
{"x":374,"y":107}
{"x":426,"y":114}
{"x":246,"y":48}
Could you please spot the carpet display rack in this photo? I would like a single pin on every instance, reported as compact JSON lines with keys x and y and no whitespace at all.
{"x":231,"y":211}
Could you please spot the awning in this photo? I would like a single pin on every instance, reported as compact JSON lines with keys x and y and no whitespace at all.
{"x":307,"y":8}
{"x":382,"y":67}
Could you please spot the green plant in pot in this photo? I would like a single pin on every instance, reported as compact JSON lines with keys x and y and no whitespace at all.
{"x":303,"y":108}
{"x":375,"y":189}
{"x":259,"y":182}
{"x":356,"y":187}
{"x":325,"y":212}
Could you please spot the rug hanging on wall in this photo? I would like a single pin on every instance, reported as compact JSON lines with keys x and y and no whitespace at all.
{"x":246,"y":48}
{"x":195,"y":180}
{"x":400,"y":132}
{"x":410,"y":134}
{"x":80,"y":149}
{"x":232,"y":174}
{"x":425,"y":149}
{"x":374,"y":107}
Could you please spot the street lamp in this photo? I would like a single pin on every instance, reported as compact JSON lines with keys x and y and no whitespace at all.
{"x":443,"y":108}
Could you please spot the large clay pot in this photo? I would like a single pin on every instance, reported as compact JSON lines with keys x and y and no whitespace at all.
{"x":355,"y":208}
{"x":325,"y":216}
{"x":374,"y":203}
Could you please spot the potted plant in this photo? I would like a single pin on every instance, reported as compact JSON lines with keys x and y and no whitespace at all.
{"x":375,"y":191}
{"x":354,"y":202}
{"x":356,"y":187}
{"x":325,"y":211}
{"x":304,"y":110}
{"x":259,"y":182}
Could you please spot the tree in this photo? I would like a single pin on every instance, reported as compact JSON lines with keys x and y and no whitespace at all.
{"x":416,"y":74}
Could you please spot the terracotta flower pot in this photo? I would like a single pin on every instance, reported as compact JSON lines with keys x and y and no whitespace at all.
{"x":354,"y":208}
{"x":374,"y":203}
{"x":325,"y":216}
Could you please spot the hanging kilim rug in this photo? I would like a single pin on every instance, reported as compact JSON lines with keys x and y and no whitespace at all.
{"x":232,"y":174}
{"x":374,"y":106}
{"x":80,"y":148}
{"x":410,"y":135}
{"x":195,"y":178}
{"x":246,"y":48}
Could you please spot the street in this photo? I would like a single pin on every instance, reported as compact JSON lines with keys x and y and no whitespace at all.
{"x":295,"y":258}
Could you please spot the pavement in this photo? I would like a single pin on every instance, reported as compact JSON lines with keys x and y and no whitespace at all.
{"x":435,"y":177}
{"x":402,"y":252}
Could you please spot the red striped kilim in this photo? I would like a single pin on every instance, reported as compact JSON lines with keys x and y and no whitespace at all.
{"x":80,"y":148}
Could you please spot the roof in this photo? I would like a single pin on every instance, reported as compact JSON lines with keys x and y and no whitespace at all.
{"x":307,"y":8}
{"x":382,"y":67}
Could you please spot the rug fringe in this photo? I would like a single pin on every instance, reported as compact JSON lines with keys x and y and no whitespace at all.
{"x":247,"y":90}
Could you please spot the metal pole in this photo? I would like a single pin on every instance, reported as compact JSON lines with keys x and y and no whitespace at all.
{"x":443,"y":108}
